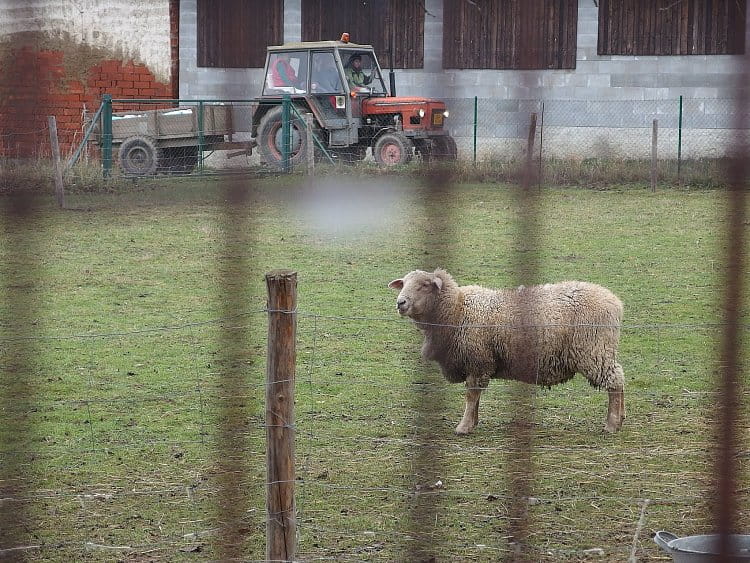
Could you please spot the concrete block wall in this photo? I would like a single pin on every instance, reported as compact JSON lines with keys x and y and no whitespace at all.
{"x":622,"y":79}
{"x":595,"y":77}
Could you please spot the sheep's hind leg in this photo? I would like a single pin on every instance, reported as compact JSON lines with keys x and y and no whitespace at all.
{"x":616,"y":410}
{"x":470,"y":419}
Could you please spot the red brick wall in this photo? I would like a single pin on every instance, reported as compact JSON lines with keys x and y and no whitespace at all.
{"x":34,"y":84}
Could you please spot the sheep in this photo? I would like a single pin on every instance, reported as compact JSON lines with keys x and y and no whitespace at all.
{"x":541,"y":334}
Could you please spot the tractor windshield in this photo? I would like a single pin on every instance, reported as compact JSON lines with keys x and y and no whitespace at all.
{"x":362,"y":71}
{"x":325,"y":76}
{"x":286,"y":73}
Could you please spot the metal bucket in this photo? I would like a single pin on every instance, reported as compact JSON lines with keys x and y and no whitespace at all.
{"x":695,"y":549}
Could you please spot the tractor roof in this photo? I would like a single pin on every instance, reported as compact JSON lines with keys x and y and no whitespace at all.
{"x":317,"y":45}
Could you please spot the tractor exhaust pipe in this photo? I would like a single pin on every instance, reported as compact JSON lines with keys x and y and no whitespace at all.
{"x":392,"y":56}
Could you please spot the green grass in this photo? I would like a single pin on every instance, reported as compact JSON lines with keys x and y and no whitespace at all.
{"x":125,"y":297}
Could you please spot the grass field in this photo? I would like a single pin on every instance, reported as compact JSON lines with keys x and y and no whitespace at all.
{"x":139,"y":315}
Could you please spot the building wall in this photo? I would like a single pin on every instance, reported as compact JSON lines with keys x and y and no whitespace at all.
{"x":594,"y":78}
{"x":58,"y":58}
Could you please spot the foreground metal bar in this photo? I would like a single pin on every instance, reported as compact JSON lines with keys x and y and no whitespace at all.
{"x":730,"y":384}
{"x":21,"y":232}
{"x":233,"y":495}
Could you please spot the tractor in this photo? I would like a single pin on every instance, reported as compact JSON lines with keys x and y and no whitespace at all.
{"x":340,"y":85}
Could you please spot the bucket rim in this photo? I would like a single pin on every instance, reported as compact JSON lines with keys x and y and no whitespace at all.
{"x":676,"y":544}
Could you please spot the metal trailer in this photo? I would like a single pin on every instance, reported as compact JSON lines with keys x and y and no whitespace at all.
{"x":170,"y":140}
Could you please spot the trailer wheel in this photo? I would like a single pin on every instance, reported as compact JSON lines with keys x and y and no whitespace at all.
{"x":139,"y":156}
{"x":270,"y":140}
{"x":392,"y":149}
{"x":444,"y":148}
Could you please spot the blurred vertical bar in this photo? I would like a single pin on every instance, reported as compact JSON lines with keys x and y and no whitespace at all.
{"x":731,"y":383}
{"x":679,"y":144}
{"x":428,"y":458}
{"x":286,"y":128}
{"x":519,"y":460}
{"x":232,"y":439}
{"x":19,"y":314}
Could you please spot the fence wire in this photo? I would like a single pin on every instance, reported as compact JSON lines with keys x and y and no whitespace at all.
{"x":106,"y":449}
{"x":576,"y":141}
{"x":120,"y":449}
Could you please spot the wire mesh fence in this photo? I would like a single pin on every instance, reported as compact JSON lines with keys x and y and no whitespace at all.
{"x":148,"y":441}
{"x":123,"y":453}
{"x":576,"y":141}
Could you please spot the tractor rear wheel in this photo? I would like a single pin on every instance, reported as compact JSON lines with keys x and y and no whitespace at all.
{"x":392,"y":149}
{"x":270,"y":139}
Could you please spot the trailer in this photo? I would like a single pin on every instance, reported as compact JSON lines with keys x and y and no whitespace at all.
{"x":172,"y":140}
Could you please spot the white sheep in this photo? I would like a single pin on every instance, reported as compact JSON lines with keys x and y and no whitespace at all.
{"x":542,"y":334}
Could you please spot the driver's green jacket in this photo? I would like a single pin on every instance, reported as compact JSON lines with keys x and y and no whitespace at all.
{"x":357,"y":77}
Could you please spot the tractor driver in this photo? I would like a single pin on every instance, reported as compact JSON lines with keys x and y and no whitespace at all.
{"x":354,"y":73}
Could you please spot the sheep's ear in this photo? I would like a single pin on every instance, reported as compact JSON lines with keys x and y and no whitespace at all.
{"x":396,"y":284}
{"x":438,"y":282}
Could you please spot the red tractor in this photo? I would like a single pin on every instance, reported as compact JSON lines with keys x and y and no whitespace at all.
{"x":341,"y":86}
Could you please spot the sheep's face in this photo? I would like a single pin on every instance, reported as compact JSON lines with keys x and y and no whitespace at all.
{"x":418,"y":292}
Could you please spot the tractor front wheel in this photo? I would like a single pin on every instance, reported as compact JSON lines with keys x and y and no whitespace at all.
{"x":392,"y":149}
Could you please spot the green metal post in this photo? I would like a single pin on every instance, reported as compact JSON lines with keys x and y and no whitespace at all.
{"x":286,"y":107}
{"x":201,"y":136}
{"x":106,"y":135}
{"x":476,"y":102}
{"x":679,"y":143}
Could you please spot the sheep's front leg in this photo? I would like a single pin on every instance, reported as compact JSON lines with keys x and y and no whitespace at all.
{"x":616,"y":409}
{"x":474,"y":388}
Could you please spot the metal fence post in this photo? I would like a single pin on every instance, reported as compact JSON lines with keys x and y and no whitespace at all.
{"x":476,"y":108}
{"x":107,"y":135}
{"x":201,"y":135}
{"x":286,"y":110}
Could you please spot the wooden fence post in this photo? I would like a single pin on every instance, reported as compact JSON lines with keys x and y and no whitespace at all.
{"x":310,"y":143}
{"x":59,"y":193}
{"x":281,"y":523}
{"x":654,"y":155}
{"x":529,"y":169}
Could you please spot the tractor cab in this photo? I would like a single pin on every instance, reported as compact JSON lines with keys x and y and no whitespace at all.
{"x":341,"y":85}
{"x":323,"y":70}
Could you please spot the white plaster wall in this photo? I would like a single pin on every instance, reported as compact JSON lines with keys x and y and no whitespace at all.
{"x":135,"y":30}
